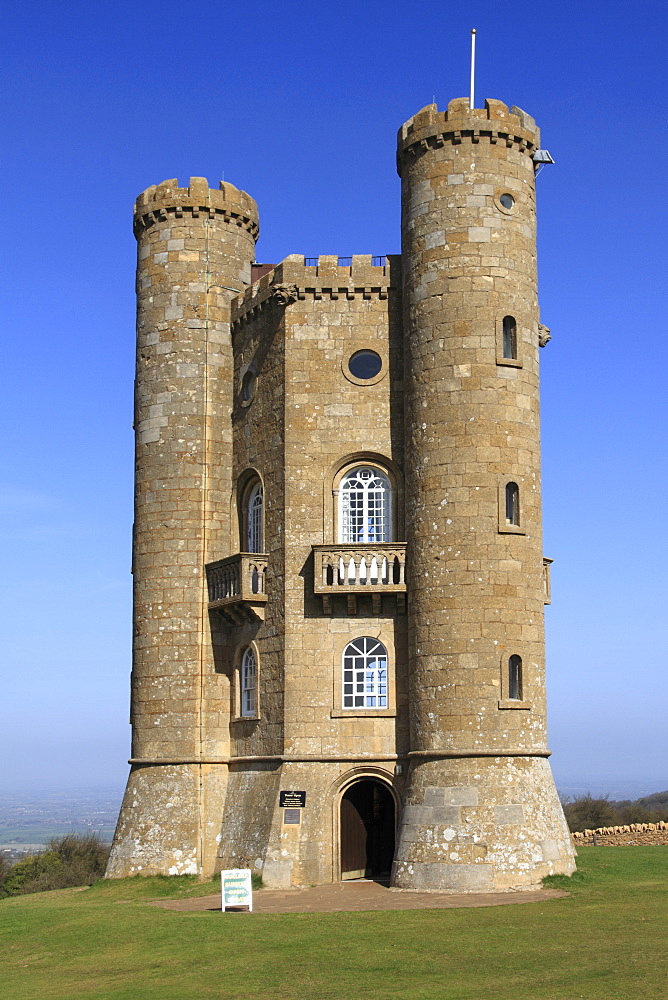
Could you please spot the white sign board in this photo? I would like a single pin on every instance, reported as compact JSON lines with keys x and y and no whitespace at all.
{"x":236,"y":888}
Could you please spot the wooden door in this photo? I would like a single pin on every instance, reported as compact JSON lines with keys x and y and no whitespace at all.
{"x":367,"y":830}
{"x":353,"y":836}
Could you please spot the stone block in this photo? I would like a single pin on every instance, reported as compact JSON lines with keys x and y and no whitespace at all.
{"x":446,"y":815}
{"x":461,"y":796}
{"x":550,"y":850}
{"x":277,"y":874}
{"x":511,"y":813}
{"x":443,"y":877}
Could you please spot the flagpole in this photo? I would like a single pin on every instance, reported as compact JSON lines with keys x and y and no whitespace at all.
{"x":472,"y":98}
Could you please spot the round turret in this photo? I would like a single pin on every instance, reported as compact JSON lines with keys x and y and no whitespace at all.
{"x":195,"y":248}
{"x":476,"y":646}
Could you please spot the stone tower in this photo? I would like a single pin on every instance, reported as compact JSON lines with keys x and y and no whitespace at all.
{"x":339,"y":578}
{"x":481,"y":810}
{"x":195,"y":248}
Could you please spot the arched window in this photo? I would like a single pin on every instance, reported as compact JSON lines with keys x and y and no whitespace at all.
{"x":365,"y":507}
{"x":364,"y":674}
{"x":509,"y":337}
{"x":255,"y":519}
{"x":515,"y":677}
{"x":248,"y":679}
{"x":512,"y":503}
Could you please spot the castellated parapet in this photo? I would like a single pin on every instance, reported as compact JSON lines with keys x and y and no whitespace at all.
{"x":339,"y":578}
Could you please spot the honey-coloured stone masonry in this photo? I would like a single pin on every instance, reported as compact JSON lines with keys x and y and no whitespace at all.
{"x":339,"y":576}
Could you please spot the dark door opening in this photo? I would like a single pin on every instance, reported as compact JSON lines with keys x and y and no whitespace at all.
{"x":367,"y":830}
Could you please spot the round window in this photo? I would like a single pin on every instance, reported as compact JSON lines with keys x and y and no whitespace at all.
{"x":365,"y":364}
{"x":248,"y":387}
{"x":507,"y":200}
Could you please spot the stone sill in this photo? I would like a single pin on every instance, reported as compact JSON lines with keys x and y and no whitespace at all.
{"x":352,"y":713}
{"x":512,"y":703}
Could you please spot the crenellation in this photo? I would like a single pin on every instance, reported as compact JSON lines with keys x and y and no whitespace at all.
{"x":293,"y":279}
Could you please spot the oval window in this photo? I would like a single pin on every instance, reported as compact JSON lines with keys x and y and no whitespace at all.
{"x":365,"y":364}
{"x":507,"y":201}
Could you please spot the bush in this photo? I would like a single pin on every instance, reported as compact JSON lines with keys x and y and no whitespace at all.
{"x":587,"y":813}
{"x":5,"y":867}
{"x":72,"y":860}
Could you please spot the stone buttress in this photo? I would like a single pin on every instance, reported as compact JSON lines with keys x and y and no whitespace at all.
{"x":195,"y":248}
{"x":481,"y":810}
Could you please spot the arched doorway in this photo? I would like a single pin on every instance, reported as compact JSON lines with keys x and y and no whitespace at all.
{"x":367,"y":830}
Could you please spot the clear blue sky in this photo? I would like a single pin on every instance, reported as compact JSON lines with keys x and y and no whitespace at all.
{"x":299,"y":103}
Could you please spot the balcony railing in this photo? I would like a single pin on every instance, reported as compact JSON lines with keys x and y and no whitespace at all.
{"x":237,"y":586}
{"x":352,"y":570}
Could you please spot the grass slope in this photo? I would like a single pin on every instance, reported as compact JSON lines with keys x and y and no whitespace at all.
{"x":606,"y":941}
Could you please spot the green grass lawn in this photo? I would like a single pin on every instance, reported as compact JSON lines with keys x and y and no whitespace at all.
{"x":607,"y":940}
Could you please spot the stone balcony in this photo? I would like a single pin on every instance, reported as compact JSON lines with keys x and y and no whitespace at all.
{"x":356,"y":570}
{"x":237,"y":587}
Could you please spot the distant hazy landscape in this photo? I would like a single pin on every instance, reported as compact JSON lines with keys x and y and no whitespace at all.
{"x":27,"y":821}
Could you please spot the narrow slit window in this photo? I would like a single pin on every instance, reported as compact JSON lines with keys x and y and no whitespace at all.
{"x":248,"y":684}
{"x":512,"y":504}
{"x":515,"y":678}
{"x":509,"y":337}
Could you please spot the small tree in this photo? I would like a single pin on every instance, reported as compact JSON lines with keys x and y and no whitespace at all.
{"x":587,"y":813}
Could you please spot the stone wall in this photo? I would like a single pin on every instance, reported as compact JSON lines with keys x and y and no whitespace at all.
{"x":632,"y":834}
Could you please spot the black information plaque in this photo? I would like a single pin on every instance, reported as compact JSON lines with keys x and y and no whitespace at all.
{"x":292,"y":800}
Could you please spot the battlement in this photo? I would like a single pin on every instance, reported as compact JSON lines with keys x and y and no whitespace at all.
{"x":493,"y":123}
{"x":326,"y":276}
{"x":159,"y":201}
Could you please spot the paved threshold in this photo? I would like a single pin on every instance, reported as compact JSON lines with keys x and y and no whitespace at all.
{"x":359,"y":895}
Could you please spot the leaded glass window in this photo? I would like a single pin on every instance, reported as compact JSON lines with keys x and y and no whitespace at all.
{"x":255,"y":519}
{"x":248,"y":684}
{"x":365,"y":507}
{"x":365,"y":674}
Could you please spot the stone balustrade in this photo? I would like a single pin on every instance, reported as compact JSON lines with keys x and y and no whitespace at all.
{"x":354,"y":570}
{"x":237,"y":586}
